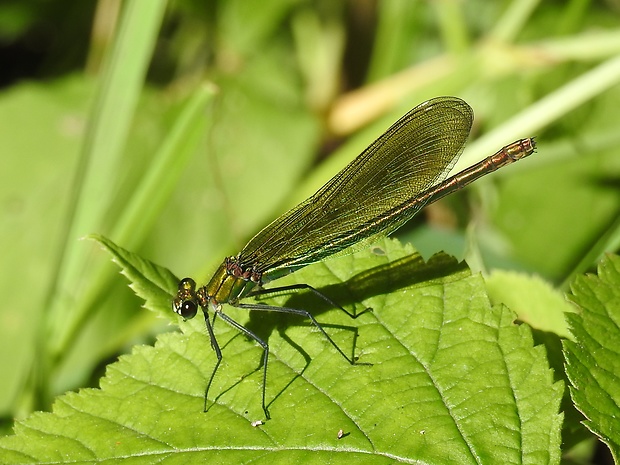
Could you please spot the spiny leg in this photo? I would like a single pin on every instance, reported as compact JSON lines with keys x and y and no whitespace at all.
{"x":300,"y":312}
{"x":299,"y":287}
{"x":262,"y":343}
{"x":218,"y":354}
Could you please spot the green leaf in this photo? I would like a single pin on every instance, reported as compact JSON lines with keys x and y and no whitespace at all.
{"x":532,"y":298}
{"x":592,"y":360}
{"x":149,"y":281}
{"x":452,"y":379}
{"x":543,"y":308}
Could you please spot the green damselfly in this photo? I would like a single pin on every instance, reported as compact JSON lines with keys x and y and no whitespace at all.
{"x":385,"y":186}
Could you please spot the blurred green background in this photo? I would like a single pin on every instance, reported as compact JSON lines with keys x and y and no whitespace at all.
{"x":179,"y":129}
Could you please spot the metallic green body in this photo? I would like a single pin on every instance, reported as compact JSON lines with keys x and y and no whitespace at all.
{"x":226,"y":286}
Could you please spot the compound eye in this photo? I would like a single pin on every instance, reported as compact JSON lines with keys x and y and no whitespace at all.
{"x":188,"y":309}
{"x":187,"y":284}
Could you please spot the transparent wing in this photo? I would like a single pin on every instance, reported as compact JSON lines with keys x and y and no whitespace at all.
{"x":370,"y":195}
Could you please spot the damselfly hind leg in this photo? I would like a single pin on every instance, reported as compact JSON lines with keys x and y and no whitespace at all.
{"x":264,"y":345}
{"x":299,"y":287}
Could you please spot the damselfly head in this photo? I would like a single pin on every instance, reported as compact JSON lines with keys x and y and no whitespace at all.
{"x":186,"y":303}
